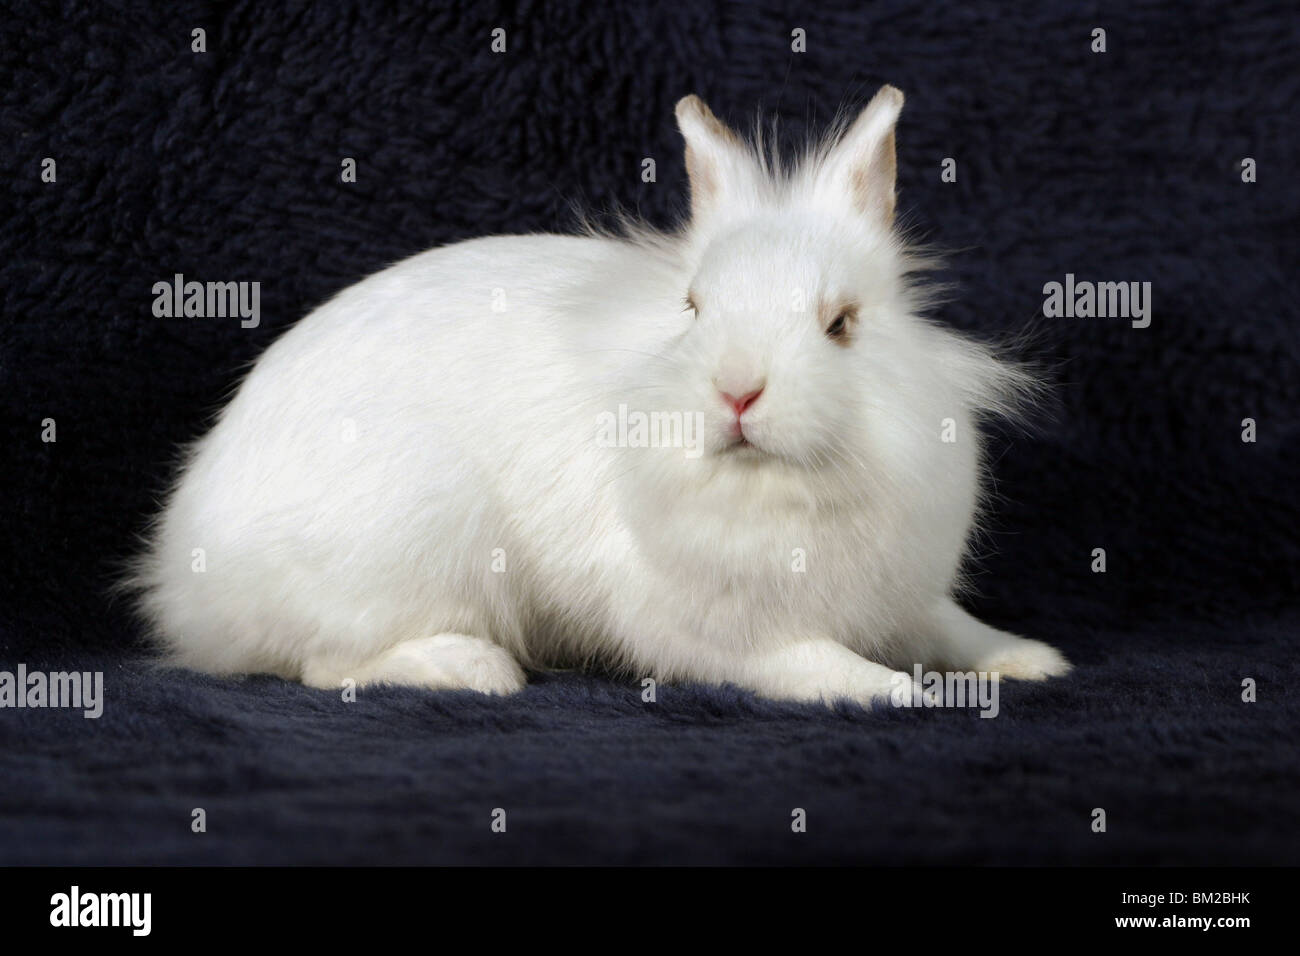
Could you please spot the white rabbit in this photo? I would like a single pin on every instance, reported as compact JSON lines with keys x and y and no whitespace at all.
{"x":412,"y":487}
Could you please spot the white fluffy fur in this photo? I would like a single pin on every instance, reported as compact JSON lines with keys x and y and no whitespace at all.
{"x":475,"y":430}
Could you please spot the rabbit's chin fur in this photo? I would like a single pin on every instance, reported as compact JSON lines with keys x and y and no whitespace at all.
{"x":437,"y":476}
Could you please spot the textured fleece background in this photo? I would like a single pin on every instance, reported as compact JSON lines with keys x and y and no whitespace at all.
{"x":225,"y":165}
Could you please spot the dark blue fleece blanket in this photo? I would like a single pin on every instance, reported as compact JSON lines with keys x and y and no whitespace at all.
{"x":1125,"y":165}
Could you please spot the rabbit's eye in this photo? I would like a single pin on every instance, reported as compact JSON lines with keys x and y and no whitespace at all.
{"x":839,"y":327}
{"x":690,"y":306}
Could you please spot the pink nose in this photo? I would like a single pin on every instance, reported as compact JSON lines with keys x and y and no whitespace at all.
{"x":742,"y":402}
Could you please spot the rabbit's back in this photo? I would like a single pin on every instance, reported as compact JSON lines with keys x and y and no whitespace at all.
{"x":404,"y":454}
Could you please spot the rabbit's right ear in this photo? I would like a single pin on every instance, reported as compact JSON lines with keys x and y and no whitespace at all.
{"x":717,"y":161}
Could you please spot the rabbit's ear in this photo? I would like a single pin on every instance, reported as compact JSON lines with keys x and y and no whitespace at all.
{"x":717,"y":161}
{"x":861,"y":166}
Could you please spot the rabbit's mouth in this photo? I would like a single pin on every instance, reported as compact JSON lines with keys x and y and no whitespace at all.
{"x":742,"y":448}
{"x":737,"y":439}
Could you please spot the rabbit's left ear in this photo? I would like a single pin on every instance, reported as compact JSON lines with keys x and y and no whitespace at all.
{"x":718,"y":164}
{"x":861,"y":166}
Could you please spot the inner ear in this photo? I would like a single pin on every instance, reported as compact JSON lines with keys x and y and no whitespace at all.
{"x":861,"y":168}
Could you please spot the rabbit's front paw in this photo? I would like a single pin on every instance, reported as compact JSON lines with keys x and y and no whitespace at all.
{"x":958,"y":641}
{"x":1024,"y":659}
{"x":827,"y":672}
{"x":437,"y":662}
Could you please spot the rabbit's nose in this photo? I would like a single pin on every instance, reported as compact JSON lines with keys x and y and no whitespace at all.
{"x":742,"y":402}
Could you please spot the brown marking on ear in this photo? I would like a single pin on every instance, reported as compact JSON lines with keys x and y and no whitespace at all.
{"x":693,"y":106}
{"x":868,"y":156}
{"x":701,"y":179}
{"x":882,"y":168}
{"x":696,"y":120}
